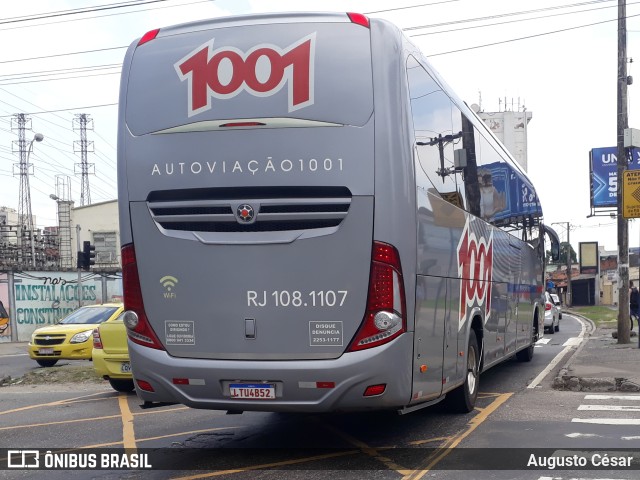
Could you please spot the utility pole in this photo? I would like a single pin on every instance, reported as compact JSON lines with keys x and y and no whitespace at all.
{"x":623,"y":232}
{"x":569,"y":299}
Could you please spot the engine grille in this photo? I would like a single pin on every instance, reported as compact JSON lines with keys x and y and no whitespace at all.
{"x":273,"y":211}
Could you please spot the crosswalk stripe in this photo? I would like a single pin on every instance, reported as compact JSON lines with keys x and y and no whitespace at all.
{"x":610,"y":408}
{"x":613,"y":397}
{"x":608,"y":421}
{"x":543,"y":341}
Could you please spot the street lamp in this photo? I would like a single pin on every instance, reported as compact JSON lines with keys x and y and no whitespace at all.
{"x":38,"y":137}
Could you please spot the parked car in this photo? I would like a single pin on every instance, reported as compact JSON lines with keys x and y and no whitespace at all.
{"x":557,"y":303}
{"x":111,"y":355}
{"x":72,"y":337}
{"x":551,"y":314}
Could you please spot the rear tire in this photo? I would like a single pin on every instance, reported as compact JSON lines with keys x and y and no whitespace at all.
{"x":122,"y":385}
{"x":47,"y":363}
{"x":526,"y":355}
{"x":463,"y":398}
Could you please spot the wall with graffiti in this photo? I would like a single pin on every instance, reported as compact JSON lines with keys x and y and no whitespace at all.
{"x":43,"y":298}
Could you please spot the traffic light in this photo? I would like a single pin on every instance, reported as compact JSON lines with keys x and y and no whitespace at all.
{"x":86,"y":256}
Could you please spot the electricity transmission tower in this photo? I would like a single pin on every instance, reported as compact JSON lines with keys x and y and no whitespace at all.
{"x":83,"y":122}
{"x":22,"y":123}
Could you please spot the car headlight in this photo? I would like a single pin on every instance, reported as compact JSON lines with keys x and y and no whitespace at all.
{"x":82,"y":336}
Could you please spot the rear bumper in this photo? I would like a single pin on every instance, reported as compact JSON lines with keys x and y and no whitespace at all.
{"x":110,"y":365}
{"x":352,"y":373}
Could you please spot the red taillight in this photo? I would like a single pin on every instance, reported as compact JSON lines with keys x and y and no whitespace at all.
{"x":146,"y":386}
{"x":142,"y":334}
{"x":358,"y":19}
{"x":147,"y":37}
{"x":385,"y":317}
{"x":547,"y":306}
{"x":97,"y":341}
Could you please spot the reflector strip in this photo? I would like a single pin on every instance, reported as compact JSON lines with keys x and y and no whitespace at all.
{"x":316,"y":384}
{"x":188,"y":381}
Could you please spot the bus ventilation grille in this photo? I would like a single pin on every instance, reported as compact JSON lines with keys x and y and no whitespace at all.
{"x":269,"y":215}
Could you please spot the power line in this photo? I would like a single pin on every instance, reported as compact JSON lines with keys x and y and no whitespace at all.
{"x":410,"y":6}
{"x":77,"y":11}
{"x":526,"y":37}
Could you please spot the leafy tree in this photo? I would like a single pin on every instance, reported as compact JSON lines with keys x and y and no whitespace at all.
{"x":563,"y":254}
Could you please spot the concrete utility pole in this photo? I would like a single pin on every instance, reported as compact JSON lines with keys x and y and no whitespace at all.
{"x":623,"y":232}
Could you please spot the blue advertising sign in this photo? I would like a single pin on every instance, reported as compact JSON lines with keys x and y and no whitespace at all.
{"x":604,"y":175}
{"x":506,"y":196}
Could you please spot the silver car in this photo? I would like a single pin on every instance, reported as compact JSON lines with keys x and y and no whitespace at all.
{"x":551,"y":314}
{"x":557,"y":303}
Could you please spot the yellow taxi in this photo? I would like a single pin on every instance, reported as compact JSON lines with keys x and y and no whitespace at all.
{"x":111,"y":355}
{"x":72,"y":337}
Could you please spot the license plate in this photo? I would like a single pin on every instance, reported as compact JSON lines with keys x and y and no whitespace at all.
{"x":45,"y":351}
{"x":253,"y":391}
{"x":125,"y":367}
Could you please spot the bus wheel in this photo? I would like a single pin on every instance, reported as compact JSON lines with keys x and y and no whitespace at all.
{"x":463,"y":398}
{"x":526,"y":355}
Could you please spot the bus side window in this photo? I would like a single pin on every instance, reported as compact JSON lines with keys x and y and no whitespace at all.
{"x":438,"y":132}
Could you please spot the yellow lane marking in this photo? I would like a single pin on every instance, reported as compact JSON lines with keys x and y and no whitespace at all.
{"x":93,"y":419}
{"x":430,"y":440}
{"x":128,"y":433}
{"x":371,"y":451}
{"x":442,"y":452}
{"x":169,"y":410}
{"x":148,"y":439}
{"x":270,"y":465}
{"x":50,"y":404}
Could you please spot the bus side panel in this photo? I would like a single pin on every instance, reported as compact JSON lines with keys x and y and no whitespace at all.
{"x":431,"y":321}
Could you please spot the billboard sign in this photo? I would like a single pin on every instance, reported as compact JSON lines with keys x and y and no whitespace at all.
{"x":603,"y":166}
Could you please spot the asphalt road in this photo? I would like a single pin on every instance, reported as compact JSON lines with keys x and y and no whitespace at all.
{"x":516,"y":408}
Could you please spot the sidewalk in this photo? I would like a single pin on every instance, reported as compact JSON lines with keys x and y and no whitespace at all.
{"x":601,"y":364}
{"x":13,"y":348}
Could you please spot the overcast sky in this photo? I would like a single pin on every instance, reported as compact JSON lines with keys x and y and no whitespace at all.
{"x":566,"y":79}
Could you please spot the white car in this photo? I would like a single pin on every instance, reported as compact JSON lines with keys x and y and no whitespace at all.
{"x":551,"y":314}
{"x":557,"y":303}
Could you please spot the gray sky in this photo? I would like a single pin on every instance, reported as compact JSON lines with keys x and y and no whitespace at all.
{"x":566,"y":79}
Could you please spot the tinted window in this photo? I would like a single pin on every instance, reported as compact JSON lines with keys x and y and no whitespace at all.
{"x":438,"y":132}
{"x":86,"y":315}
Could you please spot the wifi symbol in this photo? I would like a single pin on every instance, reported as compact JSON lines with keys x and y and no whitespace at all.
{"x":168,"y":282}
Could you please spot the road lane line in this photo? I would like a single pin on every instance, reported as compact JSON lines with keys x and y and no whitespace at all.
{"x":610,"y":408}
{"x":572,"y":342}
{"x":440,"y":453}
{"x":608,"y":421}
{"x":128,"y":433}
{"x":148,"y":439}
{"x":371,"y":451}
{"x":613,"y":397}
{"x":556,"y":360}
{"x":50,"y":404}
{"x":63,"y":422}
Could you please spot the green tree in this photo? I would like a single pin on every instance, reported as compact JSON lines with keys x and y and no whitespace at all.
{"x":564,"y":246}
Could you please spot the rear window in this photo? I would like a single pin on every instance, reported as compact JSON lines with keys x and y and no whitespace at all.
{"x":88,"y":316}
{"x":309,"y":71}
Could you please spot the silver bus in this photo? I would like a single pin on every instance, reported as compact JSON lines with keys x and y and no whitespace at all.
{"x":312,"y":221}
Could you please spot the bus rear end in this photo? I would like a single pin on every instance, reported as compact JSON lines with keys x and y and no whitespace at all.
{"x":252,"y":278}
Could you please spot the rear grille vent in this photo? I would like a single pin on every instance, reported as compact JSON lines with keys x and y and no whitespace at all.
{"x":261,"y":214}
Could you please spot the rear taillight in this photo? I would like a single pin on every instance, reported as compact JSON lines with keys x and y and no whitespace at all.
{"x":358,"y":19}
{"x":139,"y":331}
{"x":385,"y":317}
{"x":547,"y":306}
{"x":97,"y":341}
{"x":147,"y":37}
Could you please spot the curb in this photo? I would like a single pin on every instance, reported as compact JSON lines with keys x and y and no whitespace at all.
{"x":565,"y":381}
